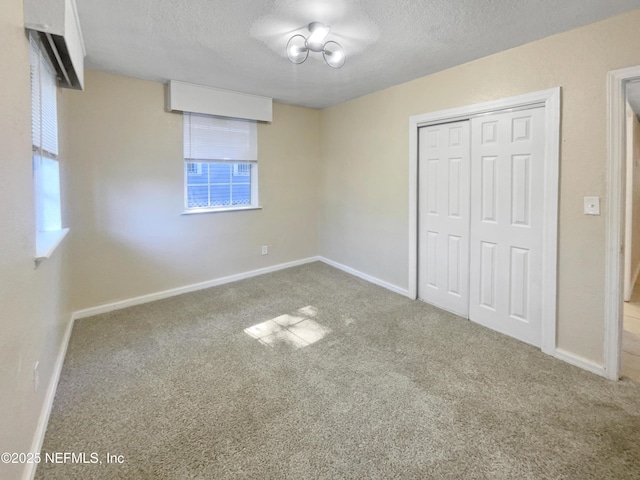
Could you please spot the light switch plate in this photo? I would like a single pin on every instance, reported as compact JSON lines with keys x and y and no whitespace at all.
{"x":592,"y":205}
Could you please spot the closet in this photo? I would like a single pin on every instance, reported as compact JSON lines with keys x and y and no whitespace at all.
{"x":480,"y":219}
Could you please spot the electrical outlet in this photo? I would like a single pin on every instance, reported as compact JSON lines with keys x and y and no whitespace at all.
{"x":36,"y":377}
{"x":265,"y":249}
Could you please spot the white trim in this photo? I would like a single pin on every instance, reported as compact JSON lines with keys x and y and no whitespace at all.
{"x":195,"y":211}
{"x":550,"y":222}
{"x":365,"y":276}
{"x":48,"y":242}
{"x":110,"y":307}
{"x":578,"y":361}
{"x":41,"y":428}
{"x":616,"y":84}
{"x":59,"y":18}
{"x":413,"y":208}
{"x":113,"y":306}
{"x":550,"y":99}
{"x":628,"y":207}
{"x":188,"y":97}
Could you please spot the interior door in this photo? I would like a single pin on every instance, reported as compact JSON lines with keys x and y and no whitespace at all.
{"x":443,"y":216}
{"x":507,"y":153}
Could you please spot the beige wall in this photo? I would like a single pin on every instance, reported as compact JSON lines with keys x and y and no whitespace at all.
{"x":365,"y":147}
{"x":34,"y":302}
{"x":126,"y":186}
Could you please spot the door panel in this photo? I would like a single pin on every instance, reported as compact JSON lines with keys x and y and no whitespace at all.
{"x":487,"y":287}
{"x":507,"y":154}
{"x":443,"y":218}
{"x":488,"y":196}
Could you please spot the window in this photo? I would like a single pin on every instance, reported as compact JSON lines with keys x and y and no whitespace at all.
{"x":220,"y":163}
{"x":44,"y":135}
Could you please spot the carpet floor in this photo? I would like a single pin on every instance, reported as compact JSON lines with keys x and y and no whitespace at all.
{"x":310,"y":373}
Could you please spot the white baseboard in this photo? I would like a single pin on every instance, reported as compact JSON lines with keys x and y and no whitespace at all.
{"x":560,"y":354}
{"x":41,"y":428}
{"x":364,"y":276}
{"x":580,"y":362}
{"x":110,"y":307}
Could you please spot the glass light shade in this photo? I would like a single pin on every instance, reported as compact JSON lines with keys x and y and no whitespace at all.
{"x":333,"y":54}
{"x":297,"y":50}
{"x":318,"y":33}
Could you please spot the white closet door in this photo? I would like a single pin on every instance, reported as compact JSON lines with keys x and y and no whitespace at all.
{"x":443,"y":218}
{"x":507,"y":160}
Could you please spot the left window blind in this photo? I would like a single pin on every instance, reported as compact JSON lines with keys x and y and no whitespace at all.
{"x":44,"y":139}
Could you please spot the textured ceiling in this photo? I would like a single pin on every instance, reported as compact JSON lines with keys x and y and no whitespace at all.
{"x":240,"y":44}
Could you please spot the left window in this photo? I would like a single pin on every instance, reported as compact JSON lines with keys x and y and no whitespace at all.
{"x":44,"y":140}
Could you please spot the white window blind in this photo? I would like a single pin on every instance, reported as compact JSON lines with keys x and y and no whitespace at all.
{"x":209,"y":138}
{"x":34,"y":64}
{"x":44,"y":117}
{"x":44,"y":135}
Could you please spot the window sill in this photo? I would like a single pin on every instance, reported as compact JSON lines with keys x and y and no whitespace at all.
{"x":195,"y":211}
{"x":47,"y":243}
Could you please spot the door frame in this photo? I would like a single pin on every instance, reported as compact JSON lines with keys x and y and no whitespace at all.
{"x":616,"y":173}
{"x":550,"y":100}
{"x":629,"y":277}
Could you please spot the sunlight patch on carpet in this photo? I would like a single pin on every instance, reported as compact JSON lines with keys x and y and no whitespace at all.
{"x":294,"y":331}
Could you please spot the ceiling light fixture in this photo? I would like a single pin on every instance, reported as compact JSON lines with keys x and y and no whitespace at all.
{"x":298,"y":46}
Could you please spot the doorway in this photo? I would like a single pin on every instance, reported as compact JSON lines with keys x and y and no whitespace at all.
{"x":471,"y":280}
{"x":619,"y":251}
